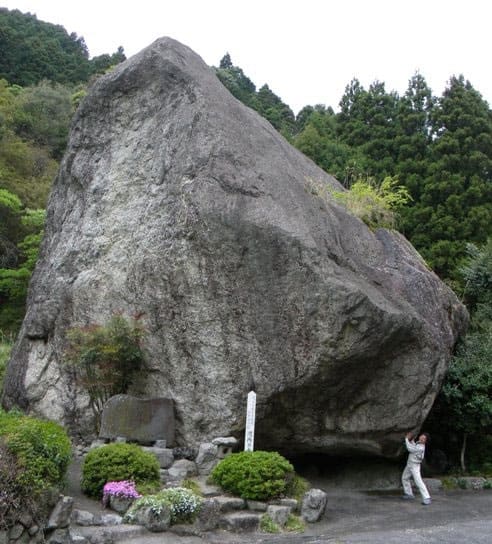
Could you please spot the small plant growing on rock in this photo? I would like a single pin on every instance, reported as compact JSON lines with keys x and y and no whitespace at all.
{"x":105,"y":358}
{"x":255,"y":475}
{"x":267,"y":525}
{"x":294,"y":524}
{"x":117,"y":462}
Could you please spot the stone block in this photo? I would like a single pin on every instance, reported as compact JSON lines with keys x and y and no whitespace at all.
{"x":164,"y":455}
{"x":25,"y":519}
{"x":108,"y":520}
{"x":16,"y":531}
{"x":82,"y":517}
{"x":293,"y":504}
{"x":141,"y":420}
{"x":60,"y":516}
{"x":279,"y":514}
{"x":313,"y":505}
{"x":229,"y":504}
{"x":208,"y":517}
{"x":207,"y":458}
{"x":79,"y":539}
{"x":60,"y":536}
{"x":152,"y":521}
{"x":240,"y":522}
{"x":120,"y":504}
{"x":33,"y":529}
{"x":182,"y":469}
{"x":257,"y":506}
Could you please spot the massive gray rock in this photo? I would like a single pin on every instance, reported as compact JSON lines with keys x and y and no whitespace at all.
{"x":176,"y":202}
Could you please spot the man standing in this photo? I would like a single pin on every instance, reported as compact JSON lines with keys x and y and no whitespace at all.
{"x":416,"y":452}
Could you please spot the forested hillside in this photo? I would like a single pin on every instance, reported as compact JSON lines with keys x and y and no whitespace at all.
{"x":33,"y":50}
{"x":439,"y":148}
{"x":43,"y":75}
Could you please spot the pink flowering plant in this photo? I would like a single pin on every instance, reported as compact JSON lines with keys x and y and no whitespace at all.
{"x":124,"y":489}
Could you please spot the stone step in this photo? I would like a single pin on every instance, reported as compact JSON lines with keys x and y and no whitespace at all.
{"x":207,"y":489}
{"x":240,"y":522}
{"x":113,"y":533}
{"x":229,"y":504}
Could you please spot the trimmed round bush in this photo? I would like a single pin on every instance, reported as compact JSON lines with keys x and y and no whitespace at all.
{"x":42,"y":449}
{"x":34,"y":457}
{"x":255,"y":475}
{"x":116,"y":462}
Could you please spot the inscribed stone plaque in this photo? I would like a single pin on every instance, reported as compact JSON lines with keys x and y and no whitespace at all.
{"x":142,"y":420}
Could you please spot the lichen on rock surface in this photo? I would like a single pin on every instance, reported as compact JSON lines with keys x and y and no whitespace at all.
{"x":177,"y":202}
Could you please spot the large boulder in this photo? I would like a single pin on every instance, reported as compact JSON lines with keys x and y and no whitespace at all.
{"x":176,"y":202}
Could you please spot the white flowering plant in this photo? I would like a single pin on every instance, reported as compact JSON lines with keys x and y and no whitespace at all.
{"x":182,"y":503}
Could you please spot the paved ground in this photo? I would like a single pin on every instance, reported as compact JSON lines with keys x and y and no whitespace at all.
{"x":352,"y":517}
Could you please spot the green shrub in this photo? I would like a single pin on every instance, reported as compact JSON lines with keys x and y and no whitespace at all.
{"x":296,"y":487}
{"x":116,"y":462}
{"x":182,"y":502}
{"x":34,"y":457}
{"x":255,"y":475}
{"x":295,"y":524}
{"x":42,"y":449}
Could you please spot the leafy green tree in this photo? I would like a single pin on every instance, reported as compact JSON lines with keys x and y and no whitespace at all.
{"x":455,"y":202}
{"x":319,"y":141}
{"x":368,"y":121}
{"x":226,"y":62}
{"x":271,"y":107}
{"x":236,"y":82}
{"x":466,"y":396}
{"x":265,"y":101}
{"x":414,"y":135}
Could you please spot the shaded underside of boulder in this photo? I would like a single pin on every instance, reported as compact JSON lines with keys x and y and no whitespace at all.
{"x":177,"y":203}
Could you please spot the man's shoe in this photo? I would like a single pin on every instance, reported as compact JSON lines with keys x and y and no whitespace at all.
{"x":426,"y":502}
{"x":406,"y":497}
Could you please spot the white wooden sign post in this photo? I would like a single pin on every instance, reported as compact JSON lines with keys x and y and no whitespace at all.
{"x":249,"y":433}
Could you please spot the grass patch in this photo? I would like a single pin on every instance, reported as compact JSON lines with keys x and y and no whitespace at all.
{"x":295,"y":524}
{"x":267,"y":525}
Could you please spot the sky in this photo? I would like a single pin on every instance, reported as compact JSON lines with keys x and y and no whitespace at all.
{"x":307,"y":51}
